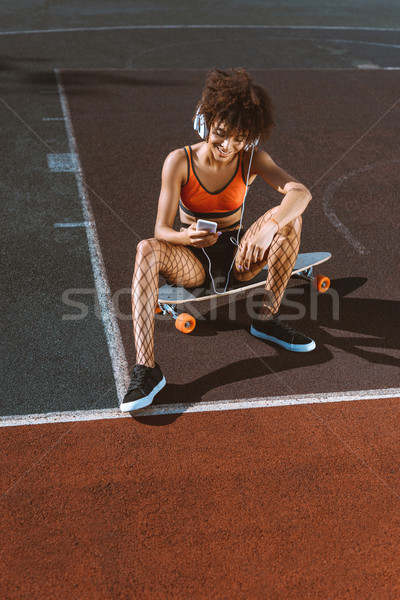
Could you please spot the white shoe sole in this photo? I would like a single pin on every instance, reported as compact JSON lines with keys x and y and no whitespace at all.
{"x":292,"y":347}
{"x":142,"y":402}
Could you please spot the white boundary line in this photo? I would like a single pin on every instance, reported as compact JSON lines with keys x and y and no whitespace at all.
{"x":111,"y":329}
{"x":199,"y":407}
{"x":67,"y":225}
{"x":156,"y":27}
{"x":369,"y":43}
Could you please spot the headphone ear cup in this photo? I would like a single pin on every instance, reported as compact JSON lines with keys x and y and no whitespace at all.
{"x":200,"y":125}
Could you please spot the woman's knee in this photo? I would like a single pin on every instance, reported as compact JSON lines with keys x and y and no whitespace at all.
{"x":297,"y":224}
{"x":147,"y":247}
{"x":148,"y":252}
{"x":294,"y":227}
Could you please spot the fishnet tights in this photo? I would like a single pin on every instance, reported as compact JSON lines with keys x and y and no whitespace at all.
{"x":178,"y":265}
{"x":153,"y":258}
{"x":281,"y":259}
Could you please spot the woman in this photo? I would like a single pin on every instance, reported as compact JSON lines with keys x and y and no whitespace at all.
{"x":209,"y":180}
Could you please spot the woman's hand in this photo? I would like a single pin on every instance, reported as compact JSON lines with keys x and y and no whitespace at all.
{"x":200,"y":238}
{"x":254,"y":249}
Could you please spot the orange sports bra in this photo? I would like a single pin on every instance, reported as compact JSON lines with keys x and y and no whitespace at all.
{"x":197,"y":201}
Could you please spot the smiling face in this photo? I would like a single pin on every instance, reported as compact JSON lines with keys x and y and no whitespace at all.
{"x":225,"y":144}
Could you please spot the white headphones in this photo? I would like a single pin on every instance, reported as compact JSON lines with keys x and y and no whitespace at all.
{"x":200,"y":125}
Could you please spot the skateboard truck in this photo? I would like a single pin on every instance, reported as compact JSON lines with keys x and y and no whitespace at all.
{"x":320,"y":282}
{"x":183,"y":322}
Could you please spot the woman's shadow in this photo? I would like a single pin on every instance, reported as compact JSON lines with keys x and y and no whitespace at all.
{"x":370,"y":323}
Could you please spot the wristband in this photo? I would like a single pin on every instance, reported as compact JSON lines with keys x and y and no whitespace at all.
{"x":271,"y":219}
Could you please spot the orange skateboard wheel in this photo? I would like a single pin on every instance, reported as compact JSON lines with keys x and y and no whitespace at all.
{"x":185,"y":323}
{"x":158,"y":310}
{"x":322,"y":283}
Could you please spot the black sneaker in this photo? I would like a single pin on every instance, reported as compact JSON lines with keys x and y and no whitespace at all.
{"x":145,"y":383}
{"x":277,"y":331}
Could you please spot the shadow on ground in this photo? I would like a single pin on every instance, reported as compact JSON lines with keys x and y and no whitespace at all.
{"x":366,"y":328}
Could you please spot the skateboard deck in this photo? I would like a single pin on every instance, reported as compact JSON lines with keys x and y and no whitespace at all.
{"x":173,"y":294}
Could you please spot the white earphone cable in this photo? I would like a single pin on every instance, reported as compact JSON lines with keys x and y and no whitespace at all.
{"x":232,"y":239}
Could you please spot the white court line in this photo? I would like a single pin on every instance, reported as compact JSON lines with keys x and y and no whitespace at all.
{"x":162,"y":47}
{"x":63,"y":163}
{"x":358,"y":42}
{"x":146,"y":27}
{"x":199,"y":407}
{"x":53,"y":119}
{"x":83,"y":224}
{"x":111,"y":329}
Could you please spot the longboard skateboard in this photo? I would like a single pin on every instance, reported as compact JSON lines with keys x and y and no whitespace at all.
{"x":170,"y":296}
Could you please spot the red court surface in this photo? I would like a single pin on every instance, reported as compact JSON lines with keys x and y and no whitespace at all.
{"x":281,"y":503}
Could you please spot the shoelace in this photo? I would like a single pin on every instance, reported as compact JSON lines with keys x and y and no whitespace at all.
{"x":290,"y":330}
{"x":285,"y":326}
{"x":138,"y":378}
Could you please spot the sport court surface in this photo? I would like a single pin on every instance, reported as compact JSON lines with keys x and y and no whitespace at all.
{"x":267,"y":500}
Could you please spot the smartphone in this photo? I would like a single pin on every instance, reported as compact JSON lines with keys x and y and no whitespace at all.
{"x":210,"y":226}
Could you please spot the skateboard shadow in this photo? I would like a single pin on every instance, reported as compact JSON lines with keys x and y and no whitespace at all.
{"x":363,"y":327}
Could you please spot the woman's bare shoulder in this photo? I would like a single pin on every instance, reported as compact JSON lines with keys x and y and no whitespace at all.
{"x":175,"y":165}
{"x":176,"y":156}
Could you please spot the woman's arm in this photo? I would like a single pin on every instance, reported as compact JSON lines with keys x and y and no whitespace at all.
{"x":173,"y":175}
{"x":296,"y":195}
{"x":294,"y":203}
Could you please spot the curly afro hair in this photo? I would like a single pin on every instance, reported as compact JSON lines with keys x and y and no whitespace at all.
{"x":231,"y":97}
